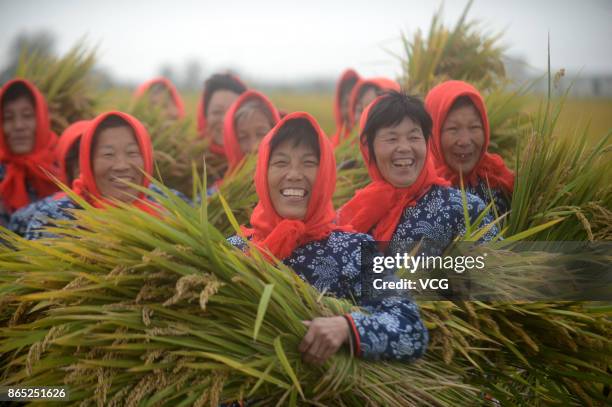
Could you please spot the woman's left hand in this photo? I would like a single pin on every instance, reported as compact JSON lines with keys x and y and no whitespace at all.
{"x":323,"y":339}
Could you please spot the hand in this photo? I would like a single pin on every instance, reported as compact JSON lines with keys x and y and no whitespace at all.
{"x":323,"y":339}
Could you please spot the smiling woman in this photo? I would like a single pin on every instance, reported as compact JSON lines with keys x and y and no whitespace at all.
{"x":246,"y":123}
{"x":460,"y":138}
{"x":27,"y":145}
{"x":115,"y":151}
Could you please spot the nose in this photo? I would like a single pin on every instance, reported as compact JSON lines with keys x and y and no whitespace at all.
{"x":121,"y":163}
{"x":295,"y":173}
{"x":403,"y":145}
{"x":19,"y":122}
{"x":463,"y":138}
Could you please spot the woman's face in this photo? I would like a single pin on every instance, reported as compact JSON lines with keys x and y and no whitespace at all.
{"x":400,"y":152}
{"x":292,"y":172}
{"x":19,"y":125}
{"x":117,"y":158}
{"x":251,"y":129}
{"x":215,"y":112}
{"x":162,"y":98}
{"x":462,"y":139}
{"x":363,"y":102}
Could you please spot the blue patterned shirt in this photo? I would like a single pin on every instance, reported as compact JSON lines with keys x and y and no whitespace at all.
{"x":438,"y":218}
{"x":390,"y":326}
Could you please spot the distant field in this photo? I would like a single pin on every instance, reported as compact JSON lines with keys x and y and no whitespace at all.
{"x":576,"y":114}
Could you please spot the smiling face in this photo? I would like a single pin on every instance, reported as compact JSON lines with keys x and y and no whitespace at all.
{"x":215,"y":112}
{"x":116,"y":158}
{"x":19,"y":125}
{"x":400,"y":152}
{"x":462,"y":138}
{"x":292,"y":172}
{"x":251,"y":129}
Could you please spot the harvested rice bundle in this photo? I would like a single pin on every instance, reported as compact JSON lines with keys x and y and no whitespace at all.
{"x":66,"y":83}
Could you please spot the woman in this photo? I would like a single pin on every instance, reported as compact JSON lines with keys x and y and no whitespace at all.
{"x":220,"y":91}
{"x":293,"y":221}
{"x":27,"y":148}
{"x":68,"y":160}
{"x":407,"y":201}
{"x":115,"y":149}
{"x":364,"y":92}
{"x":460,"y":141}
{"x":163,"y":94}
{"x":345,"y":85}
{"x":246,"y":123}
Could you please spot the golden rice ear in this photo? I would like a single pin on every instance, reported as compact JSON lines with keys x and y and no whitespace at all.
{"x":66,"y":82}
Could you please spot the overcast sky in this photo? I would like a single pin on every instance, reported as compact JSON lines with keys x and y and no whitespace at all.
{"x":289,"y":40}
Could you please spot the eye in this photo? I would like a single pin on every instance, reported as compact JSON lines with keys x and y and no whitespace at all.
{"x":279,"y":163}
{"x":311,"y":163}
{"x":475,"y":127}
{"x":452,"y":128}
{"x":133,"y":154}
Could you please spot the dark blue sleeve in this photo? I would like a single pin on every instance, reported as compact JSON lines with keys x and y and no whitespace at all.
{"x":390,"y":325}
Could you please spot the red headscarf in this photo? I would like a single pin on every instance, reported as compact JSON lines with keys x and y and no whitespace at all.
{"x":68,"y":138}
{"x":86,"y":186}
{"x":341,"y":127}
{"x":378,"y":207}
{"x":233,"y":152}
{"x":279,"y":235}
{"x":491,"y":167}
{"x":201,"y":115}
{"x":176,"y":97}
{"x":34,"y":166}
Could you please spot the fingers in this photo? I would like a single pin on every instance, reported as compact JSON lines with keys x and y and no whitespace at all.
{"x":308,"y":338}
{"x":323,"y":339}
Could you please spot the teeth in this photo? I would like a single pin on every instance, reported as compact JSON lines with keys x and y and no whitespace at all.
{"x":299,"y":192}
{"x":406,"y":162}
{"x":120,"y":179}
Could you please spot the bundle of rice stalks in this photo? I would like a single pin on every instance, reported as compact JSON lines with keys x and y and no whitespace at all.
{"x":238,"y":189}
{"x":134,"y":310}
{"x":560,"y":177}
{"x":175,"y":144}
{"x":462,"y":53}
{"x":65,"y":82}
{"x":352,"y":173}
